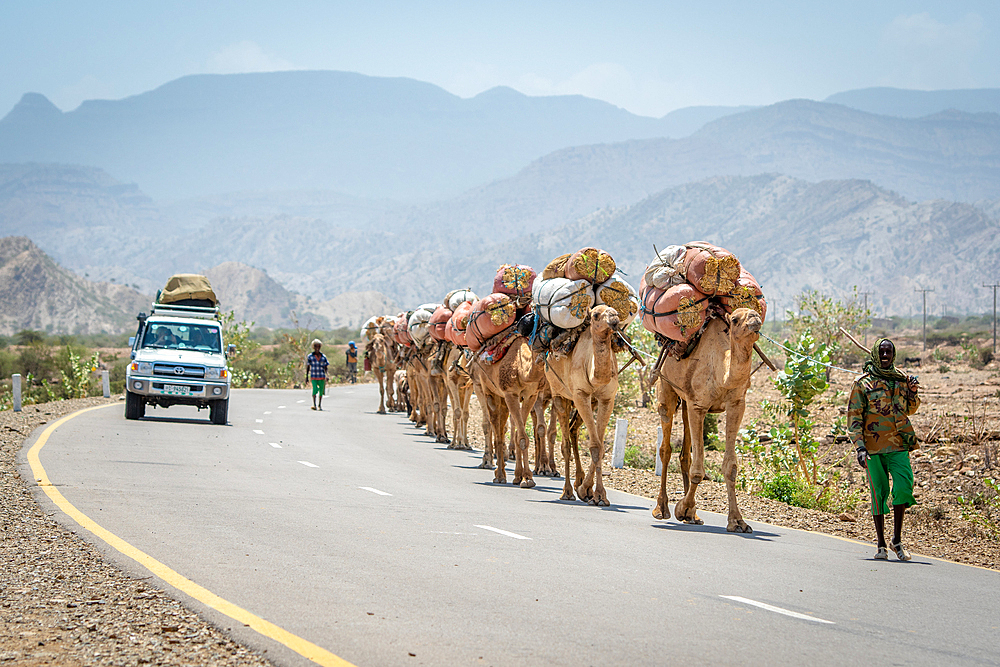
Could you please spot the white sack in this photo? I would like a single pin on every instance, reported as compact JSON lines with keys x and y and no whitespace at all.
{"x":563,"y":302}
{"x":667,"y":269}
{"x":621,"y":296}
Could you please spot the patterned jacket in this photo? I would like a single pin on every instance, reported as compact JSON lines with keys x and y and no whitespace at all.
{"x":877,"y":415}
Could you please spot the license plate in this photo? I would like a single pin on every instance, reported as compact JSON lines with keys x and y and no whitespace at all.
{"x":176,"y":389}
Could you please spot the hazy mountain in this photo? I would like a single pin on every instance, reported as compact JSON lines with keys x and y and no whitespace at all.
{"x":36,"y":293}
{"x":917,"y":103}
{"x":950,"y":155}
{"x":361,"y":135}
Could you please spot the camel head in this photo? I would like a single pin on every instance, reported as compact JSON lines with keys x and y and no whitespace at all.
{"x":745,"y":324}
{"x":603,"y":320}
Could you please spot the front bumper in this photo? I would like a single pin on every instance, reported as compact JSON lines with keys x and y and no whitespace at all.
{"x":177,"y":390}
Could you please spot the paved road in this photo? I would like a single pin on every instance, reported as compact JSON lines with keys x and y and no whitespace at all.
{"x":354,"y":531}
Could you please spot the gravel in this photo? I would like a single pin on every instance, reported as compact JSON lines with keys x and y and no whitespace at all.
{"x":63,"y":604}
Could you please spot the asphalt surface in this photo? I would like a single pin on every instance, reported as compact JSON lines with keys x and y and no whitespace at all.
{"x":355,"y":532}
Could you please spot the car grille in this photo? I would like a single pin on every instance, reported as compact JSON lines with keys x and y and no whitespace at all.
{"x":170,"y":370}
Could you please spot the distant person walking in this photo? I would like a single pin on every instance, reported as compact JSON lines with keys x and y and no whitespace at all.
{"x":352,"y":362}
{"x":879,"y":427}
{"x":316,"y":365}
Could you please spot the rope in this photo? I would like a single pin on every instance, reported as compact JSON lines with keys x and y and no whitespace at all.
{"x":817,"y":361}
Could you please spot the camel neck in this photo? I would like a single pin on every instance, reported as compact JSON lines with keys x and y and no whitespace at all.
{"x":603,"y":369}
{"x":740,"y":357}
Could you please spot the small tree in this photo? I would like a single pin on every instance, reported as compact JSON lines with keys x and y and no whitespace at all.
{"x":822,"y":316}
{"x":802,"y":380}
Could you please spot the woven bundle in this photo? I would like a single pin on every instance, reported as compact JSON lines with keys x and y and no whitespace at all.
{"x":667,"y":269}
{"x":514,"y":279}
{"x":556,"y":268}
{"x":489,"y":316}
{"x":713,"y":270}
{"x":590,"y":264}
{"x":677,"y":313}
{"x":619,"y":295}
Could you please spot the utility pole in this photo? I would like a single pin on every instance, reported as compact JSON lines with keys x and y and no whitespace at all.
{"x":994,"y":315}
{"x":925,"y":291}
{"x":865,"y":295}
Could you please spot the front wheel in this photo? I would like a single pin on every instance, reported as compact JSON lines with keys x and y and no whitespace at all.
{"x":218,"y":412}
{"x":135,"y":406}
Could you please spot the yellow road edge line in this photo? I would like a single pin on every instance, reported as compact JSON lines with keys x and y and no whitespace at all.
{"x":301,"y":646}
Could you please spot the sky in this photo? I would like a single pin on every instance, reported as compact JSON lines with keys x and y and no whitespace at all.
{"x":649,"y":57}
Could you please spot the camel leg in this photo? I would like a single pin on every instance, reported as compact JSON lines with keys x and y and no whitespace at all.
{"x":466,"y":399}
{"x":695,"y":425}
{"x":519,"y":412}
{"x":604,"y":408}
{"x":543,"y":465}
{"x":574,"y":430}
{"x":381,"y":391}
{"x":561,"y":411}
{"x":498,"y":420}
{"x":551,"y":437}
{"x":667,"y":406}
{"x":586,"y":490}
{"x":486,"y":411}
{"x":734,"y":418}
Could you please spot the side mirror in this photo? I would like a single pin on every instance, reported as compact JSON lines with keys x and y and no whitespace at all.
{"x":131,"y":341}
{"x":230,"y":350}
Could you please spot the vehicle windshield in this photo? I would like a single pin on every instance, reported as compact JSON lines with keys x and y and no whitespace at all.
{"x":203,"y":337}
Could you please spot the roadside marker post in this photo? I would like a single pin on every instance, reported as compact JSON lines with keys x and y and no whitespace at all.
{"x":16,"y":381}
{"x":659,"y":446}
{"x":618,"y":453}
{"x":106,"y":383}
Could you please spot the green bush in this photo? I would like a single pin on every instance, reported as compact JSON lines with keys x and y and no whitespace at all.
{"x":635,"y":457}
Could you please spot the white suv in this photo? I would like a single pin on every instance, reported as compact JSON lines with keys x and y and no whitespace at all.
{"x":178,"y":358}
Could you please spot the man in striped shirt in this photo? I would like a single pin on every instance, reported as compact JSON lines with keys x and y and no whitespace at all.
{"x":316,"y":365}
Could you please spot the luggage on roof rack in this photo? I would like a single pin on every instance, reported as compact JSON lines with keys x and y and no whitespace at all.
{"x":188,"y":289}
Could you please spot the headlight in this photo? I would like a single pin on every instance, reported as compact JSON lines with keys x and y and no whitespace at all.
{"x":215,"y":373}
{"x":142,"y":367}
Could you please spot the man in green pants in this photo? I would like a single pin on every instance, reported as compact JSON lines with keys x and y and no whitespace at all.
{"x":316,"y":365}
{"x":879,"y":426}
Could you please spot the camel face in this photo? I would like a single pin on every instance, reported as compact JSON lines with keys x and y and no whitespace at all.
{"x":603,"y":318}
{"x":746,"y":321}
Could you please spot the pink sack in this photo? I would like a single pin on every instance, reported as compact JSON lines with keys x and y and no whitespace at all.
{"x":489,"y":317}
{"x":746,"y":294}
{"x":459,"y":322}
{"x":438,"y":321}
{"x":677,"y":312}
{"x":514,"y":279}
{"x":401,"y":333}
{"x":713,"y":270}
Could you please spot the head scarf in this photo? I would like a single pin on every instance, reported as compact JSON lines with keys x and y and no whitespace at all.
{"x":874,"y":365}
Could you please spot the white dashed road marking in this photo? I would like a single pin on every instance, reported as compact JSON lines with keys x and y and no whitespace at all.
{"x":275,"y":445}
{"x":302,"y":401}
{"x":281,"y":407}
{"x":259,"y":421}
{"x":504,"y":532}
{"x":777,"y":610}
{"x":267,"y":412}
{"x":308,"y":465}
{"x":258,"y":431}
{"x":368,"y":488}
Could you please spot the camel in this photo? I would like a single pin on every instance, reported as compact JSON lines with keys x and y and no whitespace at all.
{"x":402,"y":399}
{"x":714,"y":378}
{"x":458,"y":381}
{"x":511,"y":386}
{"x":382,"y":354}
{"x":437,"y":425}
{"x":587,"y":378}
{"x":391,"y":364}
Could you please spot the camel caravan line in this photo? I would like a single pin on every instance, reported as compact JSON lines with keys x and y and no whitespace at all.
{"x":551,"y":342}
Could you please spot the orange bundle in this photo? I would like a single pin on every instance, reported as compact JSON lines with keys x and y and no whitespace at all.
{"x":438,"y":321}
{"x":746,"y":294}
{"x":677,"y":312}
{"x":489,"y":316}
{"x":514,"y":279}
{"x":458,"y":324}
{"x":713,"y":270}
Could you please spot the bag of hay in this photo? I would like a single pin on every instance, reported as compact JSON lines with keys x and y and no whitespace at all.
{"x":438,"y":321}
{"x":619,"y":295}
{"x":458,"y":296}
{"x":713,"y":270}
{"x":590,"y":264}
{"x":746,"y":294}
{"x":489,"y":316}
{"x":677,"y":313}
{"x":667,"y":269}
{"x":514,"y":280}
{"x":459,"y":323}
{"x":556,"y":268}
{"x":563,"y":302}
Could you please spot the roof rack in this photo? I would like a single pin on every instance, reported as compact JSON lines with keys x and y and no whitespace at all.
{"x":170,"y":309}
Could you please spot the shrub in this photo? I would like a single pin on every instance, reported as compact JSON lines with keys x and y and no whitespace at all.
{"x":635,"y":457}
